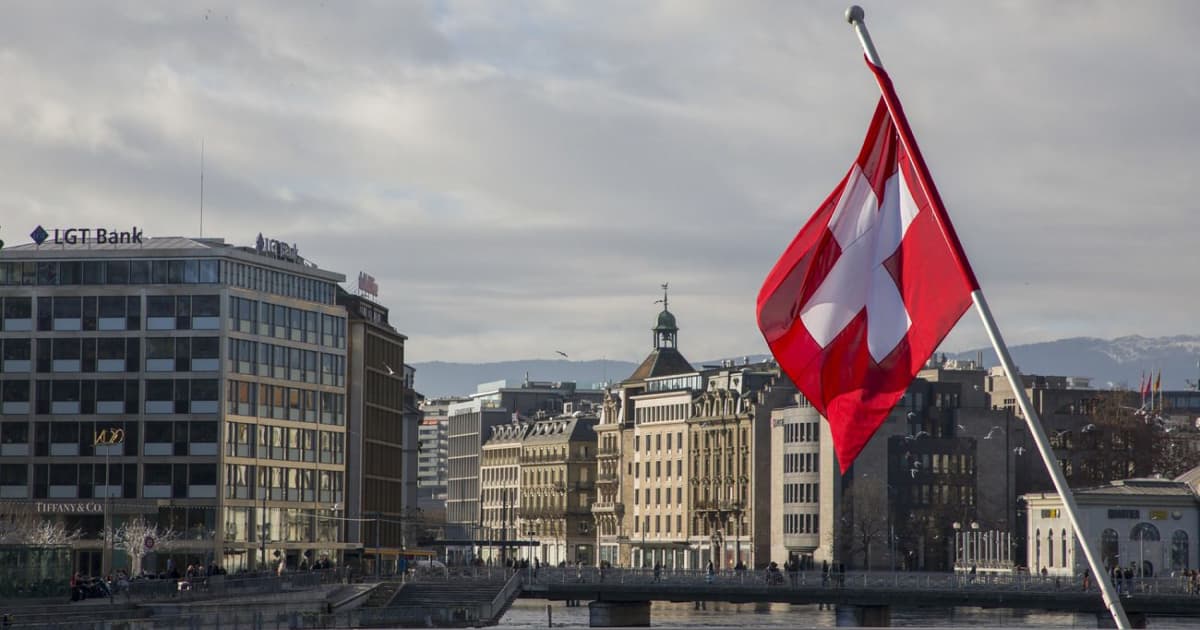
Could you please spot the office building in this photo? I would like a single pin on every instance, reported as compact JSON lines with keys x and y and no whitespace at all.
{"x":382,"y":433}
{"x":222,"y":367}
{"x":433,"y":454}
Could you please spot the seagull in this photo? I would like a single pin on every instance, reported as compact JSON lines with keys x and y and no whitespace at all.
{"x":1020,"y":450}
{"x":913,"y":472}
{"x":564,"y":354}
{"x":922,"y":434}
{"x":389,"y":369}
{"x":992,"y":433}
{"x":1089,"y":428}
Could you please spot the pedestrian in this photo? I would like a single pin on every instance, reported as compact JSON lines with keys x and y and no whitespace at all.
{"x":824,"y":573}
{"x":971,"y":580}
{"x":1087,"y":579}
{"x":657,"y":571}
{"x":709,"y":572}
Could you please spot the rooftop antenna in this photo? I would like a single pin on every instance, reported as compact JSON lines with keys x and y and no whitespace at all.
{"x":201,"y":188}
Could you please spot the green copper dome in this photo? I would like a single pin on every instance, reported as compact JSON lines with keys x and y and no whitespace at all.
{"x":666,"y":321}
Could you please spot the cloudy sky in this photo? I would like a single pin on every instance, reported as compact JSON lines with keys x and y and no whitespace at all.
{"x":522,"y":176}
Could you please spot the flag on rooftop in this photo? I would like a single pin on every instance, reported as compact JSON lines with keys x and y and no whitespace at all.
{"x":869,"y":286}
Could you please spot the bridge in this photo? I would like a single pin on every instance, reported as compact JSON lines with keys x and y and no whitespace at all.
{"x":621,"y":597}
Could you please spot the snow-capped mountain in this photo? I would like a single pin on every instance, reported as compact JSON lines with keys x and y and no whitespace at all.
{"x":1121,"y":361}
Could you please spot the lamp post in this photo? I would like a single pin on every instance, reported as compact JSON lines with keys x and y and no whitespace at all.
{"x":957,"y":541}
{"x":108,"y":438}
{"x":529,"y":555}
{"x":262,"y":519}
{"x":975,"y":534}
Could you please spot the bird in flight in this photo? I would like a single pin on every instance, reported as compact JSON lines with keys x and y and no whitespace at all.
{"x":564,"y":354}
{"x":389,"y":369}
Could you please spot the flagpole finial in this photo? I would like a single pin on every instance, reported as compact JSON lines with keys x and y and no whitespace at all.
{"x":855,"y":16}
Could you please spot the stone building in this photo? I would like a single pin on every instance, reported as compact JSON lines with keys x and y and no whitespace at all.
{"x":500,"y":490}
{"x":558,"y":486}
{"x":1149,"y":525}
{"x":685,"y":461}
{"x":468,"y":425}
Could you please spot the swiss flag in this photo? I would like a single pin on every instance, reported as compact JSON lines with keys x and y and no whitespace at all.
{"x":869,"y":287}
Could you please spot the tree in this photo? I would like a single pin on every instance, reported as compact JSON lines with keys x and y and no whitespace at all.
{"x":1122,"y":441}
{"x":27,"y":528}
{"x":131,"y":538}
{"x":862,"y":526}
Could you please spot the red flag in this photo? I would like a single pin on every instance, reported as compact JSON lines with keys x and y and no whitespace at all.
{"x":1145,"y":387}
{"x":868,"y":288}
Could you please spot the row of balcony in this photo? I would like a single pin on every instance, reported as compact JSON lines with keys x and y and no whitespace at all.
{"x":553,"y":512}
{"x":719,"y":506}
{"x":608,"y":507}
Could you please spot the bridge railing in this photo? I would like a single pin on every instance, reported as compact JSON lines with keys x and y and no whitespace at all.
{"x":875,"y":580}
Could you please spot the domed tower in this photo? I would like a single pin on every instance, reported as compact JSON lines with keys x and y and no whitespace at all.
{"x":665,"y":332}
{"x":664,"y":359}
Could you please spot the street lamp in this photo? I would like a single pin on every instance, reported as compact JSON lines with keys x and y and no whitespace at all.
{"x":958,"y":557}
{"x":262,"y":528}
{"x":108,"y":438}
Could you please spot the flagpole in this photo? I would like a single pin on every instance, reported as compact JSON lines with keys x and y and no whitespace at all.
{"x":855,"y":16}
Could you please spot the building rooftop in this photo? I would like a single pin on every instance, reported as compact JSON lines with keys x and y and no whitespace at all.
{"x":565,"y":428}
{"x":270,"y":254}
{"x":1140,"y":487}
{"x":661,"y":362}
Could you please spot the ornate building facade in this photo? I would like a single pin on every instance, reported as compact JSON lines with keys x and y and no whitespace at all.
{"x":684,"y":461}
{"x":558,"y":487}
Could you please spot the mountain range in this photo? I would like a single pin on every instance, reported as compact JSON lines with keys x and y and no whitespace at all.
{"x":1119,"y":362}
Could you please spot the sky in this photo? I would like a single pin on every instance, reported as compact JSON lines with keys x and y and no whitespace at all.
{"x":521,"y":177}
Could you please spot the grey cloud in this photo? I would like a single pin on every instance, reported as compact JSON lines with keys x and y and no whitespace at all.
{"x":523,"y":175}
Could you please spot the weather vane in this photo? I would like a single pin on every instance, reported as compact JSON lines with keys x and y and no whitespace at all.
{"x":664,"y":299}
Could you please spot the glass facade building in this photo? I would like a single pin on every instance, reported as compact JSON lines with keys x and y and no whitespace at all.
{"x":222,"y":368}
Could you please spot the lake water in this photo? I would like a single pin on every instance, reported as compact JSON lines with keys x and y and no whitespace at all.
{"x":531,"y":613}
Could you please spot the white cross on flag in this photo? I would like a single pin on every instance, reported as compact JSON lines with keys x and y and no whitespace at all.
{"x":869,"y":287}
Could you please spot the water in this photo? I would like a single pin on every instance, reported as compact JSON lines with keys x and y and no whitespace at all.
{"x":531,"y":613}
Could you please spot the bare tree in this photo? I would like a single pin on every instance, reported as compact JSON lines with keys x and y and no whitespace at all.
{"x":863,"y":522}
{"x":132,"y":536}
{"x":1123,"y":441}
{"x":27,"y":528}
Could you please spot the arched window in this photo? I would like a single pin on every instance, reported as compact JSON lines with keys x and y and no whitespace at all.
{"x":1063,"y":534}
{"x":1144,"y":532}
{"x":1037,"y":553}
{"x":1109,"y":546}
{"x":1179,"y":550}
{"x":1050,"y":548}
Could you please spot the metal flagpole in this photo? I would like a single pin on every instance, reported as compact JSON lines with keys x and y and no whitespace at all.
{"x":855,"y":15}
